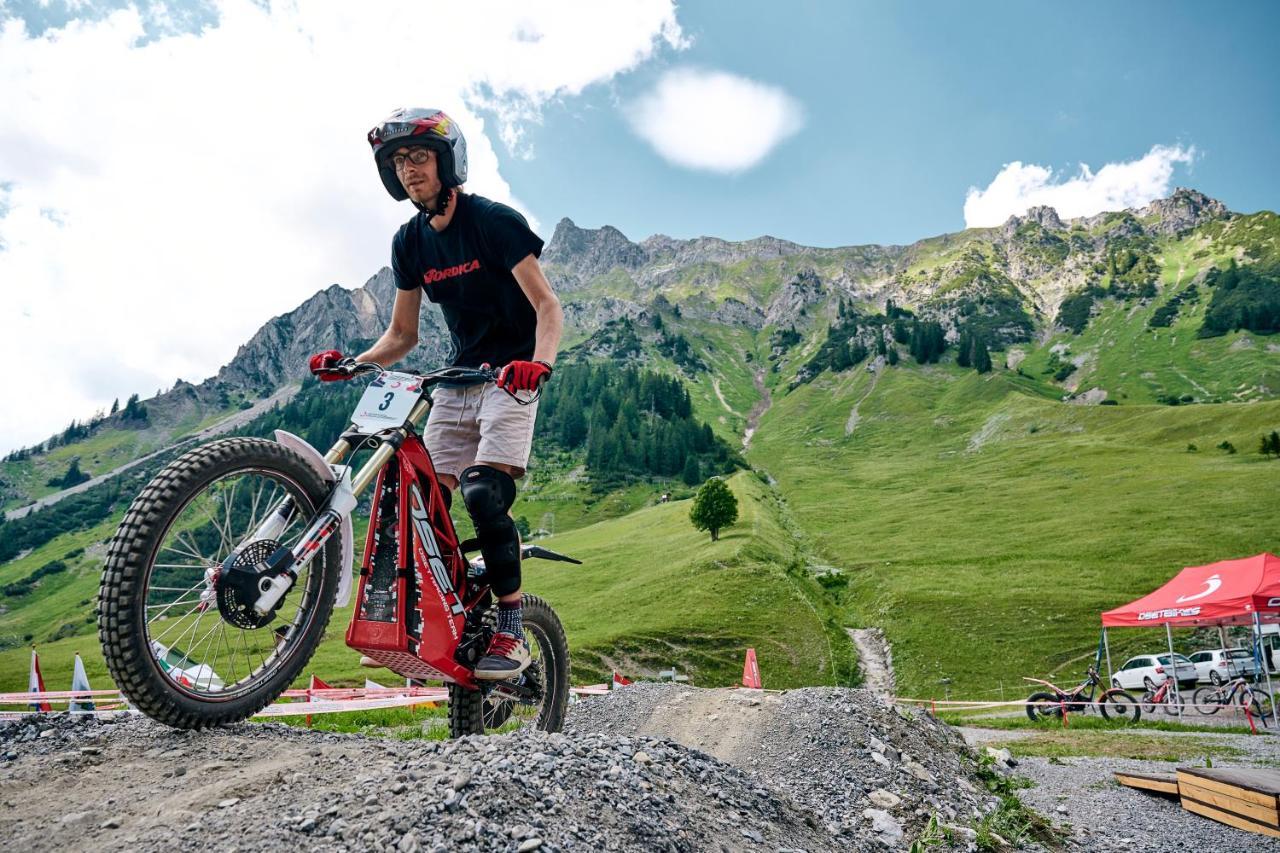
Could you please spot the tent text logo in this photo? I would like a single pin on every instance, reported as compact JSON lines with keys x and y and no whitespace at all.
{"x":1170,"y":613}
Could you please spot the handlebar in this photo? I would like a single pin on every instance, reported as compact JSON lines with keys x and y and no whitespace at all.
{"x":459,"y":376}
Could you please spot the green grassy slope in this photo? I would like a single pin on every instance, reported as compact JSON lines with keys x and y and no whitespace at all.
{"x":652,"y":592}
{"x":985,"y":529}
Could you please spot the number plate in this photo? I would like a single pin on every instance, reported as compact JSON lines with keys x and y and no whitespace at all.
{"x":386,"y":402}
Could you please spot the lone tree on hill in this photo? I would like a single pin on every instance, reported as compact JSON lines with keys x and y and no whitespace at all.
{"x":1270,"y":444}
{"x":714,"y":507}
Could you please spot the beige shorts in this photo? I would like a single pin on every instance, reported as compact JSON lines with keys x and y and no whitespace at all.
{"x":478,"y":424}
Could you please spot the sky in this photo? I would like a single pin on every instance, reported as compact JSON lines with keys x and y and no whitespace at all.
{"x":174,"y":174}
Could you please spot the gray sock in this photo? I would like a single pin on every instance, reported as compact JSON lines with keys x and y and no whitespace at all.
{"x":509,"y":618}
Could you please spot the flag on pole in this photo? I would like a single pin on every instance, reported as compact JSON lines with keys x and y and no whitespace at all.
{"x":316,"y":684}
{"x":80,"y":681}
{"x":36,"y":683}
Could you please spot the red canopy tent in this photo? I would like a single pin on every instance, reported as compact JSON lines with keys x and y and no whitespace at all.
{"x":1229,"y":592}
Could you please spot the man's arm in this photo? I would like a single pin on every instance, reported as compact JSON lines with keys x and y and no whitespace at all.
{"x":538,"y":291}
{"x":401,"y":335}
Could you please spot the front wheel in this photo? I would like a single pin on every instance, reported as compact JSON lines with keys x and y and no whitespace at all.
{"x":181,"y":643}
{"x":1259,"y":704}
{"x":1118,"y":705}
{"x":1038,"y":712}
{"x":473,"y":712}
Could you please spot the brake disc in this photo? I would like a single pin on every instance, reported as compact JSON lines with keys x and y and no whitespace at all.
{"x":238,"y":586}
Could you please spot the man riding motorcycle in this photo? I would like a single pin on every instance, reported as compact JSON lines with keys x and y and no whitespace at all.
{"x":478,"y":260}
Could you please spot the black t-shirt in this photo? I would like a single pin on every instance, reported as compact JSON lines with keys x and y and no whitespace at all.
{"x":466,"y":270}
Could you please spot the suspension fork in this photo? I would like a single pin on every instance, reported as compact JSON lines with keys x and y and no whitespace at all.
{"x":286,"y":564}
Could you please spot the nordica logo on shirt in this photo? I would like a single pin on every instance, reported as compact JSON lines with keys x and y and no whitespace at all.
{"x":431,"y":276}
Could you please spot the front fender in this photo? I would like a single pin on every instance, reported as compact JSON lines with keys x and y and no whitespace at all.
{"x":345,"y":531}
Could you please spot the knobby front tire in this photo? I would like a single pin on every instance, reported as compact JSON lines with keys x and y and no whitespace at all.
{"x":185,"y":522}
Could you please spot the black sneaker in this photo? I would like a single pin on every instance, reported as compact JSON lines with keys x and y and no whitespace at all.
{"x":507,"y":657}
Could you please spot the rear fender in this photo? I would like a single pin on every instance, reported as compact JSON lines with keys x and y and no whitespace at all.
{"x":345,"y":531}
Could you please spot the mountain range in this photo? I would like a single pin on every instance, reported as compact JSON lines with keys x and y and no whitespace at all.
{"x":861,"y":360}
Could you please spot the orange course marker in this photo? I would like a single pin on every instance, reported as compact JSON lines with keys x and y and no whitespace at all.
{"x":751,"y":671}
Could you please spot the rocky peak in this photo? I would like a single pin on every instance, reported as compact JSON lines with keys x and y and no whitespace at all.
{"x":1182,"y":211}
{"x":334,"y":318}
{"x":1043,"y":215}
{"x":592,"y":250}
{"x":790,"y":305}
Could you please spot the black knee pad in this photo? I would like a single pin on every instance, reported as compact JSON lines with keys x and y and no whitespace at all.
{"x":488,"y":493}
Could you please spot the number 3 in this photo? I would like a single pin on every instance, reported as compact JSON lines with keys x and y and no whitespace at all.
{"x":383,"y":406}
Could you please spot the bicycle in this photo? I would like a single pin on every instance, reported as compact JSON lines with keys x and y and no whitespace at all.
{"x":1112,"y":703}
{"x":258,"y":535}
{"x":1210,"y":700}
{"x":1164,"y":696}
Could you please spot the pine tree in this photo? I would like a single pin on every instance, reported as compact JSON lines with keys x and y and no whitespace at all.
{"x":893,"y":355}
{"x":1275,"y":443}
{"x":964,"y":351}
{"x":115,"y":405}
{"x":981,"y":358}
{"x":691,"y":474}
{"x":714,"y":507}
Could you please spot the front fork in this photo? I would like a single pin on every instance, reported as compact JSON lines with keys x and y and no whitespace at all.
{"x":284,"y":566}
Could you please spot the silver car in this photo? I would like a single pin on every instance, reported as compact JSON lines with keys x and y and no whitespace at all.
{"x":1147,"y":672}
{"x":1221,"y":665}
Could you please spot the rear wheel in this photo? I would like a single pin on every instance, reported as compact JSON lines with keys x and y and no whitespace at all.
{"x":1175,"y":704}
{"x":478,"y":711}
{"x":1208,"y":700}
{"x":183,"y":644}
{"x":1215,"y":678}
{"x":1037,"y":711}
{"x":1118,"y":705}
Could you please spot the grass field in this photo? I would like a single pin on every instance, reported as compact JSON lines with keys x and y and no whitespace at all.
{"x":985,"y":529}
{"x":1127,"y":744}
{"x":652,"y":592}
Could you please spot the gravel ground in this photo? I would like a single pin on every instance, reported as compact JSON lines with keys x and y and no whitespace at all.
{"x":1082,"y":796}
{"x":651,"y":767}
{"x":873,"y":774}
{"x":69,"y":783}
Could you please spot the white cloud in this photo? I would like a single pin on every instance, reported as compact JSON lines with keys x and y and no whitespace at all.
{"x":163,"y":195}
{"x":1116,"y":186}
{"x":713,"y":120}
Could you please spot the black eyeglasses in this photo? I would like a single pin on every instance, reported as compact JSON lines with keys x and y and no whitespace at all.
{"x":416,"y":156}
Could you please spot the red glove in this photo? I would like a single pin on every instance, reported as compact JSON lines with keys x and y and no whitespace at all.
{"x":329,"y":366}
{"x":524,"y":375}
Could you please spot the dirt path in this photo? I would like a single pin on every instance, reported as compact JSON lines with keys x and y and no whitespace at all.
{"x":852,"y":424}
{"x":223,"y":426}
{"x":729,"y":724}
{"x":715,"y":385}
{"x":875,"y":658}
{"x":757,"y":411}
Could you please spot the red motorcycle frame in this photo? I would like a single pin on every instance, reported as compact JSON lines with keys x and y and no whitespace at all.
{"x":413,"y":623}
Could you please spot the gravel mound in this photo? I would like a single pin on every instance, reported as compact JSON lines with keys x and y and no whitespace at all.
{"x":872,"y":774}
{"x":77,"y":783}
